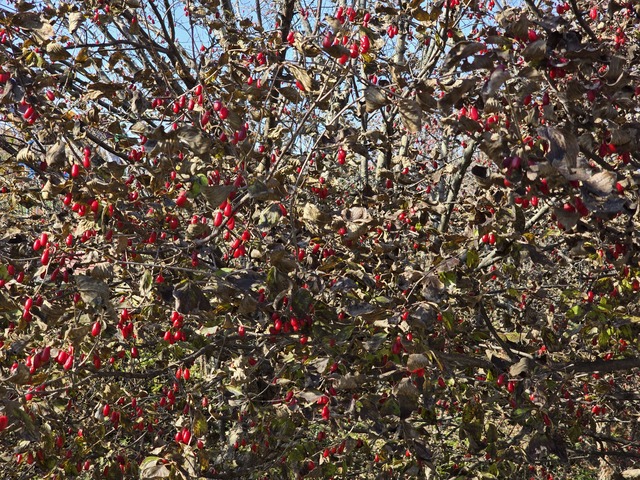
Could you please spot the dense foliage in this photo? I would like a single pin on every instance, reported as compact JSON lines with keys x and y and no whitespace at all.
{"x":311,"y":240}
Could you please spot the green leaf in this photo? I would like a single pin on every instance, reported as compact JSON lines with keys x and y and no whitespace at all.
{"x":199,"y":182}
{"x":234,"y":390}
{"x":574,"y":311}
{"x":473,"y":259}
{"x":448,"y":278}
{"x":382,"y":299}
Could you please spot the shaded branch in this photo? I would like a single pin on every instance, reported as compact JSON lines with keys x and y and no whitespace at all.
{"x":602,"y":366}
{"x":581,"y":21}
{"x":455,"y":187}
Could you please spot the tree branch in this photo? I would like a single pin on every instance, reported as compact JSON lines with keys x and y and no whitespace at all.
{"x":455,"y":188}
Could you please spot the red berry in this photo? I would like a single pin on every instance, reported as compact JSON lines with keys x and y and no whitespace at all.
{"x":44,"y":259}
{"x":326,"y":413}
{"x":365,"y":44}
{"x":95,"y":330}
{"x":4,"y":422}
{"x":181,"y":201}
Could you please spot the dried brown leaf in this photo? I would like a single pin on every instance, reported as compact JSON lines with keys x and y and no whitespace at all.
{"x":374,"y":98}
{"x":411,"y":115}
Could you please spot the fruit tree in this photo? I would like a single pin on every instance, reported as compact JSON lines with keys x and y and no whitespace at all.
{"x":316,"y":239}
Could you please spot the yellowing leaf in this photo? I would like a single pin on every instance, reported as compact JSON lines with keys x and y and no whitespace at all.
{"x":200,"y":427}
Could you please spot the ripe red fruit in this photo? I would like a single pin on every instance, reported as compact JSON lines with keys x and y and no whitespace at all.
{"x":228,"y":209}
{"x":68,"y":364}
{"x":206,"y":115}
{"x":354,"y":50}
{"x":75,"y":170}
{"x":95,"y":330}
{"x":473,"y":114}
{"x":28,"y":113}
{"x":217,"y":220}
{"x":327,"y":41}
{"x":365,"y":44}
{"x":181,"y":201}
{"x":86,"y":153}
{"x":44,"y":259}
{"x":186,"y":435}
{"x":326,"y":413}
{"x":4,"y":422}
